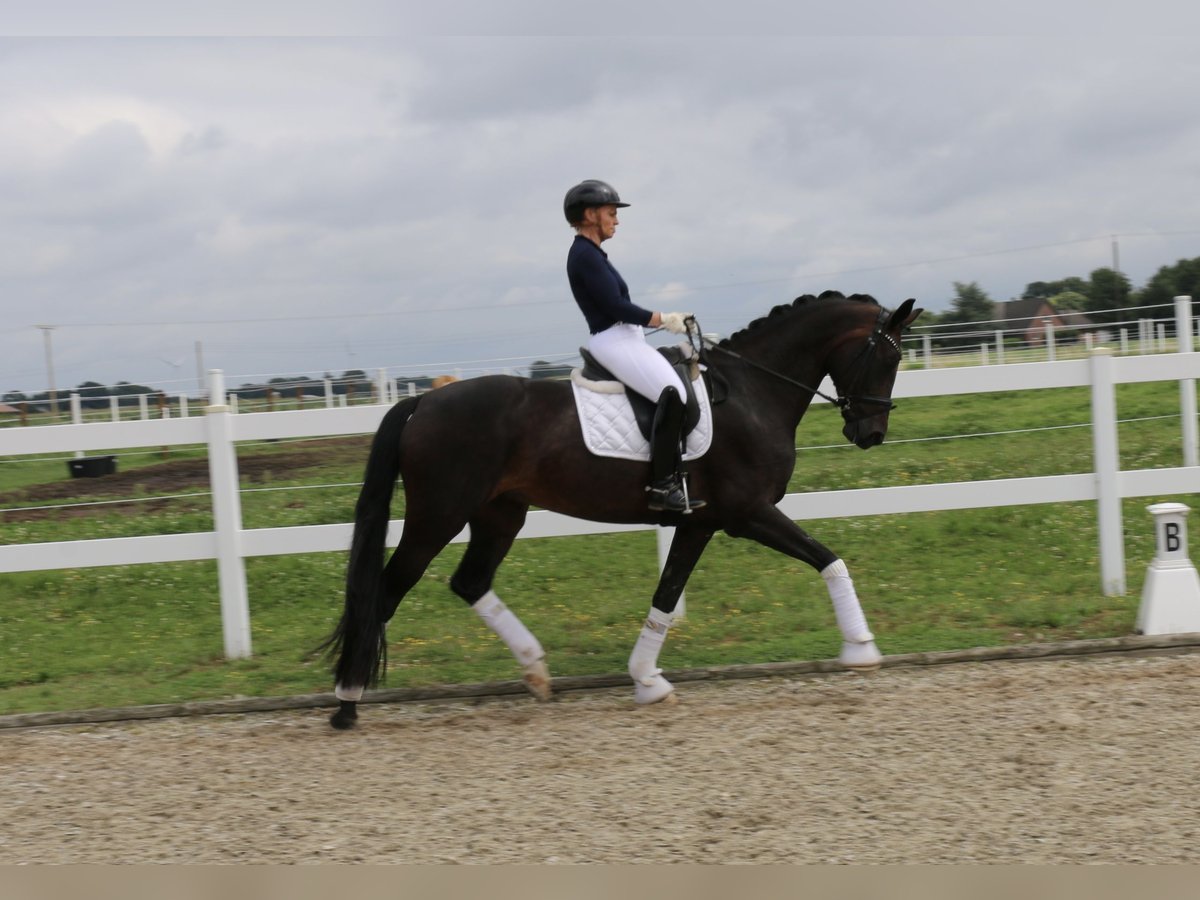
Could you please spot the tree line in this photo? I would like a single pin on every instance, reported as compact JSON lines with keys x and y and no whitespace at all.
{"x":1104,"y":296}
{"x":94,"y":395}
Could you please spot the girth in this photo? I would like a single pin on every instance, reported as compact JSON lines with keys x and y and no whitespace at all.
{"x":643,"y":408}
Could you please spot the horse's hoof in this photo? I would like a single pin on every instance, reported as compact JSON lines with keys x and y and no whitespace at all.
{"x":346,"y":716}
{"x":654,"y":689}
{"x":537,"y":679}
{"x":860,"y":656}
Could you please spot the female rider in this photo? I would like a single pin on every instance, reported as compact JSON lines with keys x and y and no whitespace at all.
{"x":617,"y":340}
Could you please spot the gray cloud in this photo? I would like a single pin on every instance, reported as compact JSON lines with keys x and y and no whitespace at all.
{"x":388,"y":202}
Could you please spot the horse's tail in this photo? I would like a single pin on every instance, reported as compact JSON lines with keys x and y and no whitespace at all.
{"x":359,"y":641}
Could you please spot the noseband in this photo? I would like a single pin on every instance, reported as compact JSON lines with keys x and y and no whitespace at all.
{"x":860,"y":365}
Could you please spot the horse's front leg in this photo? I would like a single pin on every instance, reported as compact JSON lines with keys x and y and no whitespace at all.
{"x":649,"y":686}
{"x":773,"y":529}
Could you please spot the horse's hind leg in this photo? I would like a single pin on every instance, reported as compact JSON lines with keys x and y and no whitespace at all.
{"x":403,"y":570}
{"x":493,"y":530}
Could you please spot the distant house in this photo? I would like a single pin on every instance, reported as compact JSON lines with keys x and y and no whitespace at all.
{"x":7,"y":409}
{"x":1028,"y":317}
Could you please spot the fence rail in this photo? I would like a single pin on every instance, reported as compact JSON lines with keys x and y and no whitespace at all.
{"x":230,"y":544}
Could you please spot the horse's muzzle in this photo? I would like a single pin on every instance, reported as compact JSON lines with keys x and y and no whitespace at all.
{"x":863,"y":437}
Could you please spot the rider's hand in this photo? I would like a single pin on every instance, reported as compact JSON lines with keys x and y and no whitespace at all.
{"x":676,"y":322}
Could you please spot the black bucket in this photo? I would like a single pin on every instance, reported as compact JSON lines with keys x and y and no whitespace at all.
{"x":92,"y":466}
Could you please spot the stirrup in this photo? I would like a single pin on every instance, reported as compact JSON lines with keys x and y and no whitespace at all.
{"x":670,"y":495}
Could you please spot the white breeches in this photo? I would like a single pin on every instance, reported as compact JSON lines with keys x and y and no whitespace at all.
{"x":622,"y":349}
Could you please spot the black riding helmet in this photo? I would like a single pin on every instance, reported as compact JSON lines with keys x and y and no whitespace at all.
{"x":587,"y":194}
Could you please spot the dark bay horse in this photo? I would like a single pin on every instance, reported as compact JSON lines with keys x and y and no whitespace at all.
{"x":479,"y":452}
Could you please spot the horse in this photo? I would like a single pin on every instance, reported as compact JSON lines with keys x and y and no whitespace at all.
{"x":479,"y":452}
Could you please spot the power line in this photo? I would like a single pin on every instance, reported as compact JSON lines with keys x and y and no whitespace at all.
{"x":649,"y":293}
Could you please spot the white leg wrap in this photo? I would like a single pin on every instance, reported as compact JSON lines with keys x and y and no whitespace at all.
{"x":509,"y":628}
{"x":649,"y":684}
{"x":348,"y":693}
{"x":846,"y":607}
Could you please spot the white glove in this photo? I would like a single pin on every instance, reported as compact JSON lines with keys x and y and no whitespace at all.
{"x":676,"y":322}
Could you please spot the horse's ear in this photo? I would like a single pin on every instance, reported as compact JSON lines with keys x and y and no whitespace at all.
{"x":904,"y":316}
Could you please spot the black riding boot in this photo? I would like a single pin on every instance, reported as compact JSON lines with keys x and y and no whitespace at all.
{"x":666,"y":458}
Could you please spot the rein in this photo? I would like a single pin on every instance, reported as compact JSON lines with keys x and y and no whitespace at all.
{"x":842,"y":402}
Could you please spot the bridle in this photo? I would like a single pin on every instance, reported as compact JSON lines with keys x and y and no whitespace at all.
{"x":860,"y":366}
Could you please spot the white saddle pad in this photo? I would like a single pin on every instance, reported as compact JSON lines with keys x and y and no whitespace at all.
{"x":609,"y":429}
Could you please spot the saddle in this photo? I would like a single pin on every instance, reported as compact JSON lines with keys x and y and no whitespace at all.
{"x":643,"y":408}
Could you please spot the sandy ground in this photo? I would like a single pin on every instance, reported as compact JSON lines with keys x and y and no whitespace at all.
{"x":1088,"y":761}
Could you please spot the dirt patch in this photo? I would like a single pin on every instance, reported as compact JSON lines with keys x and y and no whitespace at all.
{"x":179,"y":476}
{"x":1076,"y":761}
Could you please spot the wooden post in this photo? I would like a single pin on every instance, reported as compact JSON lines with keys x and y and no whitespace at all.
{"x":1187,"y":386}
{"x":164,"y":412}
{"x":664,"y":534}
{"x":1107,"y":467}
{"x":227,"y":519}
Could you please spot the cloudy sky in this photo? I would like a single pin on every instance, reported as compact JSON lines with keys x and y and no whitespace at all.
{"x":307,"y":203}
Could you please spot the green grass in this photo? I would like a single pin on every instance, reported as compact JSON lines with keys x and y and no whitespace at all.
{"x":930,"y":581}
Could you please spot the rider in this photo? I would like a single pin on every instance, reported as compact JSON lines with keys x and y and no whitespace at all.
{"x":617,"y":341}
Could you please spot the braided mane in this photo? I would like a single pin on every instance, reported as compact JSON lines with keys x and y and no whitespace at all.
{"x":786,"y":309}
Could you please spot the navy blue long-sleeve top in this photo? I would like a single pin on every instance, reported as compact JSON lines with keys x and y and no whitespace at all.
{"x":599,"y":289}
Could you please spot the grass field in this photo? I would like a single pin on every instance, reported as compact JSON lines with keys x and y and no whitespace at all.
{"x":931,"y":581}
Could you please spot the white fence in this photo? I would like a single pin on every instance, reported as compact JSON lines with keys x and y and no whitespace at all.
{"x":229,"y":543}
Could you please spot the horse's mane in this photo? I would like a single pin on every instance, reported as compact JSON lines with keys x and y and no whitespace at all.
{"x":804,"y":301}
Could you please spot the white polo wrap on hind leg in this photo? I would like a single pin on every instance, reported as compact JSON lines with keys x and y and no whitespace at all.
{"x":509,"y":628}
{"x":348,"y":693}
{"x":846,"y":607}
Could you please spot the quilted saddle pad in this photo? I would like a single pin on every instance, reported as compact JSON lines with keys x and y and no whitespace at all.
{"x":609,"y":429}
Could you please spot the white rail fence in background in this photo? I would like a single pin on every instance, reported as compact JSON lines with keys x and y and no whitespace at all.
{"x":230,"y":544}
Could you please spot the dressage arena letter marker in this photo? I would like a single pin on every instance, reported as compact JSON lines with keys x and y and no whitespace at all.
{"x":1171,"y":596}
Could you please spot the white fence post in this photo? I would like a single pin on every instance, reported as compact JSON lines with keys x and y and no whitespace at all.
{"x":1048,"y":328}
{"x":1107,"y":469}
{"x":1187,"y":386}
{"x":328,"y":394}
{"x":999,"y":348}
{"x":227,"y":520}
{"x":1124,"y":341}
{"x":77,"y":417}
{"x":927,"y":349}
{"x":114,"y":407}
{"x":664,"y":535}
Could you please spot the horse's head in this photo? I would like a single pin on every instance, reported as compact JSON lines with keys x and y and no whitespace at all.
{"x":864,"y":370}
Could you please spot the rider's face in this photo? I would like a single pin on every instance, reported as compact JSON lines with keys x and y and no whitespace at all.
{"x":602,"y":221}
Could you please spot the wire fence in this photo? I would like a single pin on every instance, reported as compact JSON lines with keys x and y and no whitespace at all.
{"x":1047,"y":335}
{"x":356,"y":485}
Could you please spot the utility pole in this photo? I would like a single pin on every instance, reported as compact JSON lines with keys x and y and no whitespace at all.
{"x":1116,"y":254}
{"x":46,"y":329}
